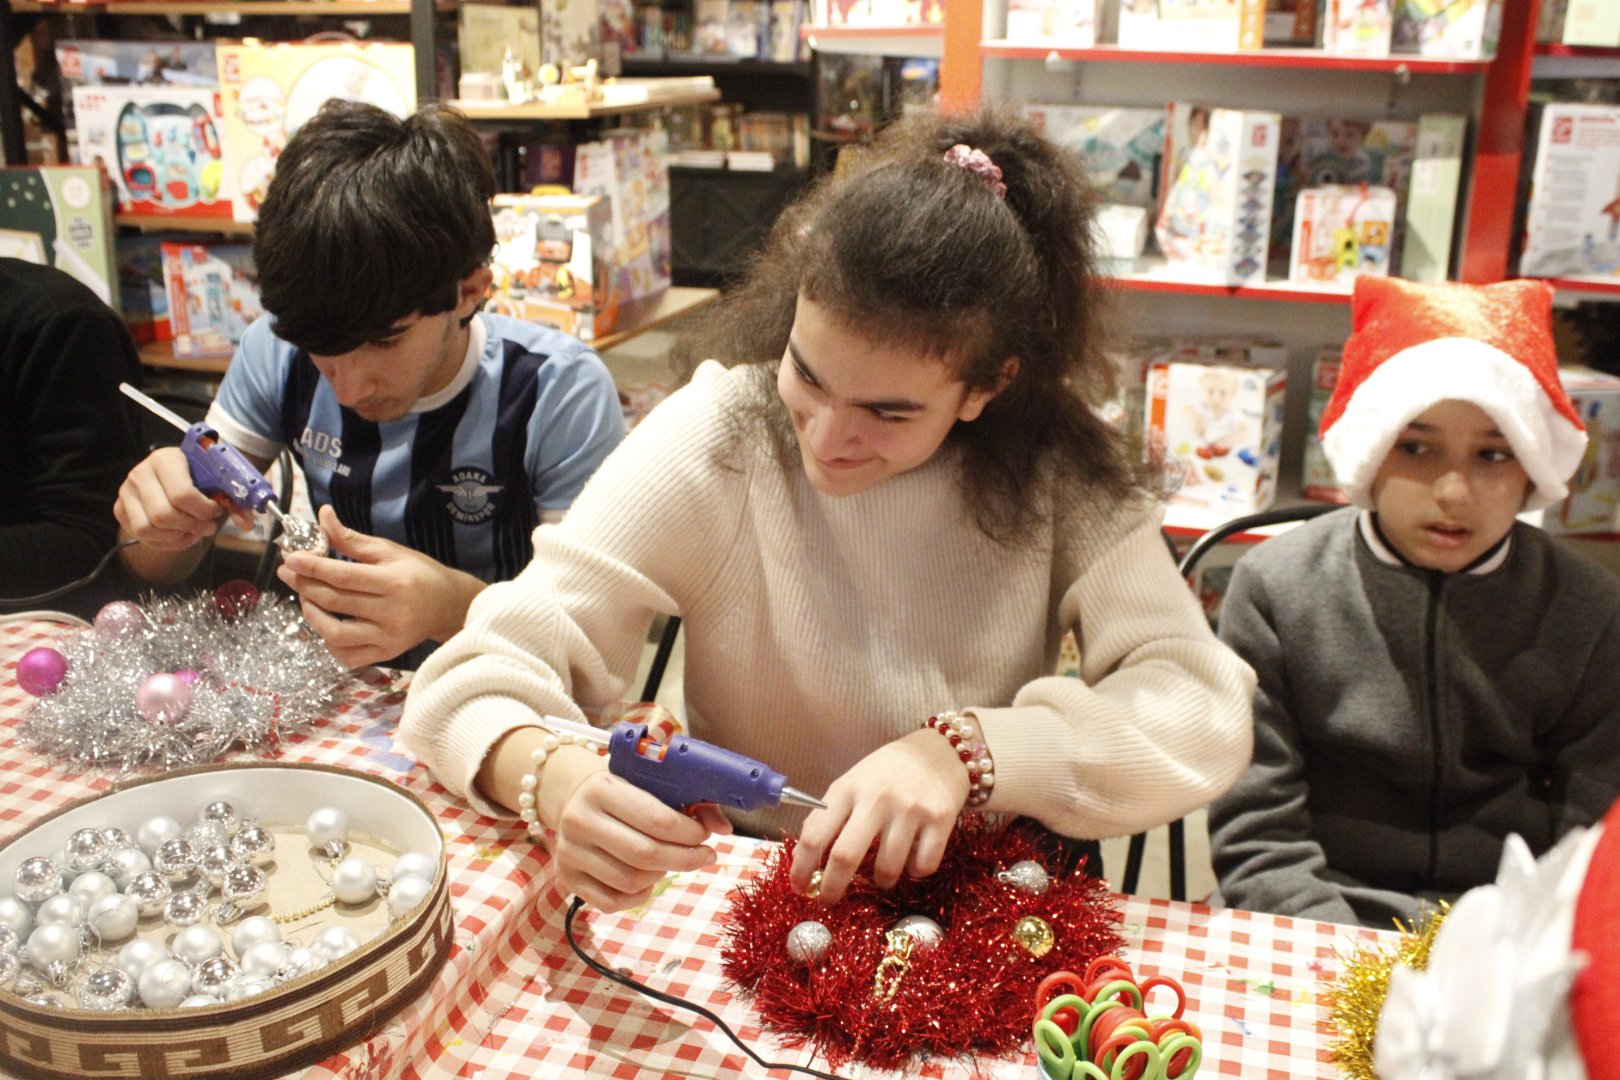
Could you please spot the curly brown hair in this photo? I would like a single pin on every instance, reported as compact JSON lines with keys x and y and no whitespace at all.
{"x":908,"y":249}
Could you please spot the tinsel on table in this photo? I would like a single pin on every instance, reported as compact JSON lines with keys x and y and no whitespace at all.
{"x":256,"y":672}
{"x":1356,"y":996}
{"x":972,"y":993}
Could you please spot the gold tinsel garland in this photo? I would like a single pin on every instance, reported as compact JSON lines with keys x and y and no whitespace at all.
{"x":1356,"y":997}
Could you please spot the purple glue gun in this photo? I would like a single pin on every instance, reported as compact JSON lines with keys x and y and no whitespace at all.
{"x":687,"y":771}
{"x":221,"y":472}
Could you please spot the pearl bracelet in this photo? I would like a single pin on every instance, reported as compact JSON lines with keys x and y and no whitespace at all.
{"x":528,"y":808}
{"x":961,"y":733}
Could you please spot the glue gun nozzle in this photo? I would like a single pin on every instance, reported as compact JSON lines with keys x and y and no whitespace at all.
{"x":796,"y":797}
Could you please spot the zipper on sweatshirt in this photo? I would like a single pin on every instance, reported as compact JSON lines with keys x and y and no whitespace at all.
{"x":1431,"y":650}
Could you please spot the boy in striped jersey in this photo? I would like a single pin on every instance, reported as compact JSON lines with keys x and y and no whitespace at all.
{"x":434,"y":437}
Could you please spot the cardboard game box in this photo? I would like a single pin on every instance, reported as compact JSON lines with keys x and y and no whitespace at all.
{"x":142,"y":294}
{"x":1317,"y":479}
{"x":61,"y":216}
{"x":213,"y":296}
{"x":1341,"y":232}
{"x":269,"y":91}
{"x":627,"y":168}
{"x":1460,"y":29}
{"x":550,"y":262}
{"x":1593,"y":503}
{"x":1220,"y":167}
{"x":1062,"y":24}
{"x":1572,"y":225}
{"x":1322,"y":151}
{"x":159,"y":144}
{"x":1219,"y":427}
{"x":93,"y":62}
{"x":1358,"y":27}
{"x":1195,"y":25}
{"x":1120,"y":147}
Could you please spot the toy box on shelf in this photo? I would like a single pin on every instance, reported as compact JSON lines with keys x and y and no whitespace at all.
{"x":1572,"y":225}
{"x":1459,"y":29}
{"x":1322,"y":151}
{"x":1592,"y":22}
{"x":1060,"y":24}
{"x":1431,"y":201}
{"x":1120,"y":147}
{"x":141,"y":290}
{"x":1358,"y":27}
{"x":878,"y":12}
{"x":1220,"y":167}
{"x":628,"y":169}
{"x":268,"y":91}
{"x":1192,"y":25}
{"x":1593,"y":503}
{"x":1215,"y":411}
{"x":213,"y":296}
{"x":1291,"y":23}
{"x":1342,"y":231}
{"x":61,"y":216}
{"x":1317,"y":479}
{"x":549,"y":262}
{"x":159,"y":144}
{"x":91,"y":62}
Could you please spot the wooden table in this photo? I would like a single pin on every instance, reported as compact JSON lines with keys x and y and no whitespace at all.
{"x":514,"y":1002}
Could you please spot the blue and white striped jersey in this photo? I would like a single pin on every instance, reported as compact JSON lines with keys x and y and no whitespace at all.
{"x":467,"y":474}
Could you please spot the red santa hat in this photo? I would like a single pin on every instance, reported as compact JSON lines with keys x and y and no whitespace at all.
{"x":1594,"y":1001}
{"x":1413,"y":345}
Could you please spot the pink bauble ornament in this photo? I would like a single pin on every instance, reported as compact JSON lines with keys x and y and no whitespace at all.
{"x":235,"y":598}
{"x":163,"y":698}
{"x":119,"y":618}
{"x":41,"y":671}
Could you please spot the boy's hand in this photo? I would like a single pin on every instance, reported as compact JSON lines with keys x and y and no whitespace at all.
{"x":388,"y":600}
{"x":160,"y":506}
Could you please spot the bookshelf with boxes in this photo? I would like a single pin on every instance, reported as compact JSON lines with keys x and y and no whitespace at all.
{"x":1254,"y":159}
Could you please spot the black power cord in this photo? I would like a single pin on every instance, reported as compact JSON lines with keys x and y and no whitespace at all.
{"x":679,"y":1002}
{"x":39,"y":598}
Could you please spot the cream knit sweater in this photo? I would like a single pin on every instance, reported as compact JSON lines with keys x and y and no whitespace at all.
{"x":819,"y":628}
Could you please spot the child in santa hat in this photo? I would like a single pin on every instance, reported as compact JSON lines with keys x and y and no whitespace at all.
{"x":1434,"y":675}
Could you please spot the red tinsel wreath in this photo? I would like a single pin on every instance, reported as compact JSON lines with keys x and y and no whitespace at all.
{"x":973,"y":993}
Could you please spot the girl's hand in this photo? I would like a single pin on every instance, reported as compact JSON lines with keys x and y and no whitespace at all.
{"x":615,"y":842}
{"x":905,"y":796}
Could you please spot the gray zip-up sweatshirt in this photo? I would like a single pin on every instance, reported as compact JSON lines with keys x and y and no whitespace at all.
{"x":1407,"y":720}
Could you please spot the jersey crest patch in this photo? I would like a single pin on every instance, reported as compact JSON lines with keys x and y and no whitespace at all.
{"x":472,"y":496}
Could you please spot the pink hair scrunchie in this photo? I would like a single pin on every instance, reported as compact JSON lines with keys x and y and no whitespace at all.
{"x":977,"y":162}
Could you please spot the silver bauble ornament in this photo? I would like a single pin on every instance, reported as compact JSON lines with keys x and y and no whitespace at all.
{"x":92,"y":886}
{"x":1026,"y":877}
{"x":212,"y":976}
{"x":86,"y":850}
{"x":334,"y":943}
{"x":16,"y":914}
{"x":124,"y":863}
{"x":164,"y":984}
{"x":63,"y":907}
{"x":107,"y":990}
{"x":220,"y":813}
{"x":253,"y":844}
{"x":808,"y":941}
{"x":138,"y":955}
{"x":10,"y":940}
{"x":354,"y":880}
{"x":196,"y":944}
{"x":185,"y":908}
{"x":113,"y":918}
{"x":925,"y":932}
{"x":150,"y":890}
{"x":176,"y":860}
{"x":251,"y":931}
{"x":214,"y":863}
{"x":405,"y":893}
{"x":37,"y":878}
{"x":52,"y":943}
{"x":263,"y":960}
{"x":415,"y":864}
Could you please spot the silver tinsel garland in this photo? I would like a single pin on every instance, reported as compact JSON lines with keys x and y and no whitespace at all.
{"x":260,"y":676}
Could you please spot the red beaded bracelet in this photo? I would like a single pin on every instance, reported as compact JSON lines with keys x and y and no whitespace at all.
{"x":963,"y":737}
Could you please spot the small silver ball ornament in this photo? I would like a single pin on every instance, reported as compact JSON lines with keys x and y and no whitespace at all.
{"x":37,"y":878}
{"x":253,"y":844}
{"x":176,"y":860}
{"x":185,"y":909}
{"x":113,"y":918}
{"x":925,"y":932}
{"x":808,"y":942}
{"x":212,"y":976}
{"x":251,"y":931}
{"x":86,"y":850}
{"x":220,"y":813}
{"x":138,"y":955}
{"x":16,"y":914}
{"x":154,"y":831}
{"x":63,"y":907}
{"x":405,"y":893}
{"x":1026,"y":876}
{"x":197,"y":944}
{"x":334,"y":943}
{"x":107,"y":990}
{"x":164,"y":984}
{"x":92,"y":886}
{"x":124,"y":863}
{"x":354,"y":881}
{"x":150,"y":890}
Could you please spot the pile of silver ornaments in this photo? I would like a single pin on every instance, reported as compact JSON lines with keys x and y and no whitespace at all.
{"x":67,"y":913}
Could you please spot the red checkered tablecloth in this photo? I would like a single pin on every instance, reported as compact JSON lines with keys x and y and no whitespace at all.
{"x":514,"y":1002}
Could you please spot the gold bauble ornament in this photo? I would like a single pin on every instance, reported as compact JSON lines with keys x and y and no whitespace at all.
{"x":1034,"y":935}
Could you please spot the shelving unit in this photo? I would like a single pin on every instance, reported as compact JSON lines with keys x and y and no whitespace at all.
{"x":531,"y":111}
{"x":924,"y":41}
{"x":1314,"y":59}
{"x":423,"y":36}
